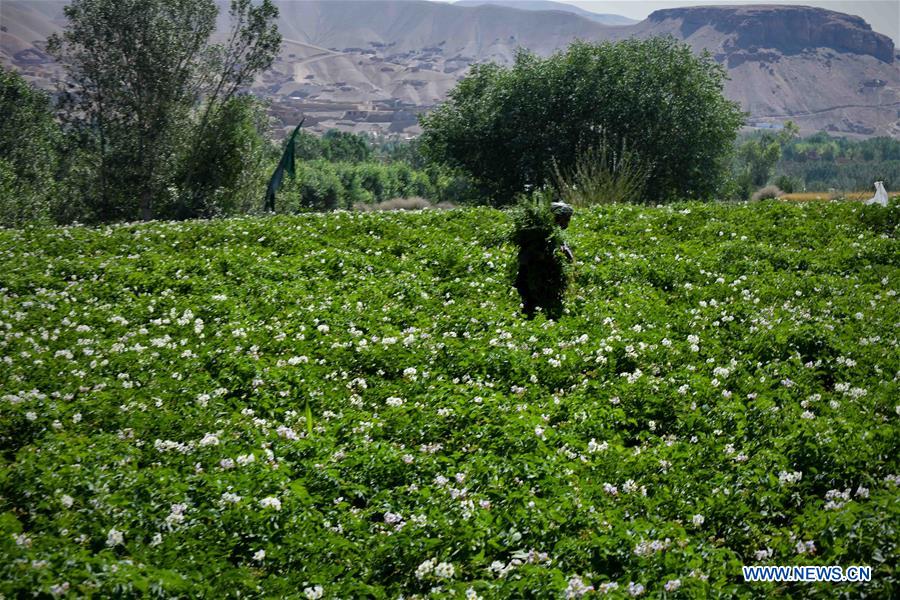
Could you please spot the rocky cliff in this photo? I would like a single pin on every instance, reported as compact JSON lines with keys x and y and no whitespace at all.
{"x":789,"y":29}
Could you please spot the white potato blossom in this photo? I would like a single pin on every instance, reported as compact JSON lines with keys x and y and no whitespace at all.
{"x":230,"y":498}
{"x":270,"y":502}
{"x":176,"y":515}
{"x":286,"y":433}
{"x":210,"y":439}
{"x":115,"y":537}
{"x":808,"y":547}
{"x":59,"y":589}
{"x":576,"y":587}
{"x":259,"y":555}
{"x":314,"y":593}
{"x":836,"y":499}
{"x":245,"y":459}
{"x":593,"y":446}
{"x":444,"y":570}
{"x":789,"y":477}
{"x":761,"y":555}
{"x":425,"y":569}
{"x":652,"y":547}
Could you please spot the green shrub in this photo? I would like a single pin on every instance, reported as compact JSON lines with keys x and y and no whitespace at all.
{"x":788,"y":184}
{"x":224,"y":171}
{"x":769,"y":192}
{"x":320,"y":187}
{"x":602,"y":175}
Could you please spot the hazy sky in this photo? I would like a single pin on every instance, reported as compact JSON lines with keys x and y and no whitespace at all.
{"x":882,"y":15}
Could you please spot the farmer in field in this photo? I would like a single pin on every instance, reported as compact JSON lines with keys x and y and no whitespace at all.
{"x":562,"y":214}
{"x":541,"y":277}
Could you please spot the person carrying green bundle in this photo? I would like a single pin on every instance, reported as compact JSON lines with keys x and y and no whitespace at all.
{"x":541,"y":278}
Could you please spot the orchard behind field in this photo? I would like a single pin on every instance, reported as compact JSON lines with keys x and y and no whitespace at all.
{"x":352,"y":401}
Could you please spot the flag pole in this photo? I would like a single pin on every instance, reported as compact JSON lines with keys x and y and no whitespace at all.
{"x":286,"y":164}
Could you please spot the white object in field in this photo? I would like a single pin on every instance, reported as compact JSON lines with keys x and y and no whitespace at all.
{"x":880,"y":196}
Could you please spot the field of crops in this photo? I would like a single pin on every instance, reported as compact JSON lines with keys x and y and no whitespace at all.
{"x":350,"y":405}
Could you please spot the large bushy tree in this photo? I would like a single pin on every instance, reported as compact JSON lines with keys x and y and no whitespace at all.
{"x":507,"y":126}
{"x":147,"y":84}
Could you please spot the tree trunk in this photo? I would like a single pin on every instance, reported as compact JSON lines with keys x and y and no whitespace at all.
{"x":146,"y":205}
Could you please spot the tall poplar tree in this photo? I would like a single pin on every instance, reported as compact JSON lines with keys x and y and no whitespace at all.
{"x":145,"y":84}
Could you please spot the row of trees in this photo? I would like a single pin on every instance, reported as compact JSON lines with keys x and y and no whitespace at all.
{"x":324,"y":185}
{"x":153,"y":124}
{"x":815,"y":163}
{"x":822,"y":162}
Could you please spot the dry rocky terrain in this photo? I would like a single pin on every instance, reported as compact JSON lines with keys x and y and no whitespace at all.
{"x":374,"y":65}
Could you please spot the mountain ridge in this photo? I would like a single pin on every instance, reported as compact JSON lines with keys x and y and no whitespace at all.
{"x":544,"y":5}
{"x":374,"y":65}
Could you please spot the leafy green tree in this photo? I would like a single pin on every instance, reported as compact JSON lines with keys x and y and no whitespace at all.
{"x":341,"y":146}
{"x":507,"y":126}
{"x":307,"y":146}
{"x":29,"y":140}
{"x":146,"y":81}
{"x":757,"y":157}
{"x":228,"y":165}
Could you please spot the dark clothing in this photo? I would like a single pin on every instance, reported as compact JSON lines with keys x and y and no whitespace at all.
{"x":540,"y":281}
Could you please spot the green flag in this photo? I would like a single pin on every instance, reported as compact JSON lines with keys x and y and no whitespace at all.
{"x":286,"y":164}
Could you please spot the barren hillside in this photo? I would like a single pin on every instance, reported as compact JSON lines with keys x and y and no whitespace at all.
{"x":373,"y":65}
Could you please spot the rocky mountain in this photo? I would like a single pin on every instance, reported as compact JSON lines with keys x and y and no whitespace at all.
{"x":605,"y":19}
{"x":374,"y":65}
{"x":824,"y":70}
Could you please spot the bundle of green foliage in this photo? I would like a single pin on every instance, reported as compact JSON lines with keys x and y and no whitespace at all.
{"x":541,"y":274}
{"x":507,"y":127}
{"x":28,"y":152}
